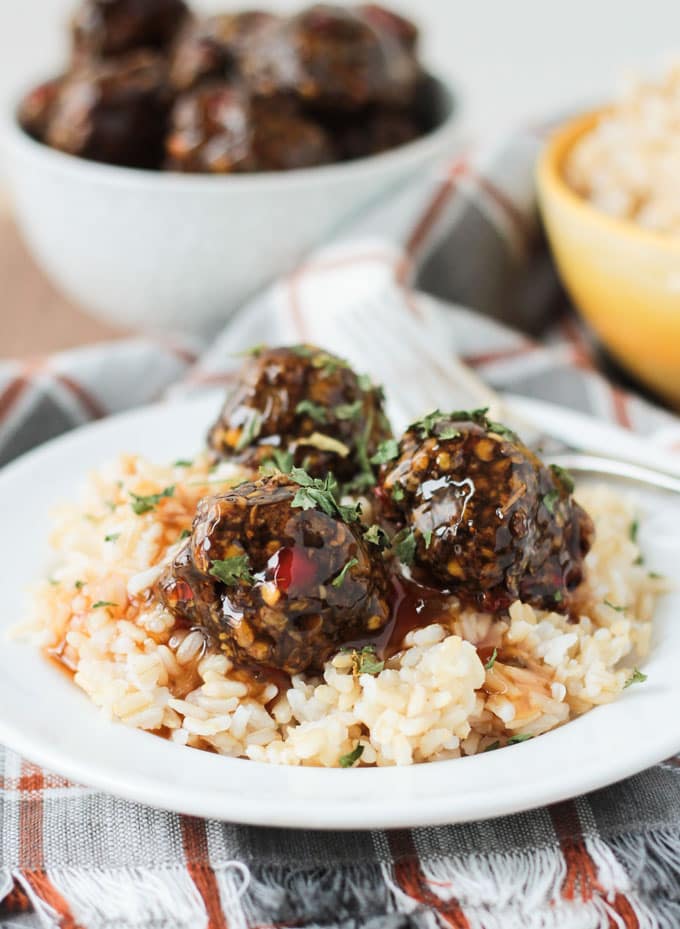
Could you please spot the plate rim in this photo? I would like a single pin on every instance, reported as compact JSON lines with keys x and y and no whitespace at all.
{"x":301,"y":811}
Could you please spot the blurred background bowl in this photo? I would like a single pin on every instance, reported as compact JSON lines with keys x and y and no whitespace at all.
{"x":159,"y":251}
{"x":625,"y":280}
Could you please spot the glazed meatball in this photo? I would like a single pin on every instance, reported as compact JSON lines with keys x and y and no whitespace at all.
{"x":103,"y":28}
{"x":280,"y":580}
{"x":37,"y":107}
{"x":331,"y":57}
{"x":212,"y":48}
{"x":390,"y":23}
{"x":220,"y":129}
{"x":309,"y":405}
{"x":114,"y":111}
{"x":482,"y":516}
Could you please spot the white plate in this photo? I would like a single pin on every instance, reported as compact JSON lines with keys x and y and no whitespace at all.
{"x":47,"y":719}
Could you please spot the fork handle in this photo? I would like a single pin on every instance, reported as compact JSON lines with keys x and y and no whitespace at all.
{"x":592,"y":464}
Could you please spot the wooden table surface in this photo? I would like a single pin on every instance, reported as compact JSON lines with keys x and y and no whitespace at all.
{"x":34,"y":318}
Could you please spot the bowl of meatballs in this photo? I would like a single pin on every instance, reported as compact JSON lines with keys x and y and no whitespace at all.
{"x":314,"y":588}
{"x":180,"y":162}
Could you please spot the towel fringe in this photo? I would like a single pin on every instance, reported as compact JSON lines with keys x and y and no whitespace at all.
{"x":130,"y":898}
{"x":523,"y":890}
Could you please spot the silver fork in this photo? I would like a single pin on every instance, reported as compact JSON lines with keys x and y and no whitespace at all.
{"x":398,"y":348}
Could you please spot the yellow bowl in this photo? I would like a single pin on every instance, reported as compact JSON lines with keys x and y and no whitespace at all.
{"x":625,"y":280}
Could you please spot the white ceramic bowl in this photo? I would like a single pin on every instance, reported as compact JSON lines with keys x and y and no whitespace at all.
{"x":154,"y":250}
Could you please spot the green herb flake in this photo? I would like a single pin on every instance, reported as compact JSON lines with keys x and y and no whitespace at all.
{"x":351,"y":758}
{"x":492,"y":747}
{"x":564,"y":477}
{"x":397,"y":493}
{"x":499,"y":429}
{"x":320,"y":494}
{"x":427,"y":536}
{"x":79,"y":585}
{"x":365,"y":382}
{"x":636,"y":677}
{"x":550,"y":499}
{"x":141,"y":505}
{"x":345,"y":411}
{"x":376,"y":535}
{"x":281,"y":460}
{"x":619,"y":609}
{"x":404,"y":546}
{"x":112,"y":537}
{"x":249,"y":431}
{"x":340,"y":579}
{"x":655,"y":576}
{"x":386,"y":451}
{"x":182,"y":463}
{"x":492,"y":660}
{"x":253,"y":352}
{"x":520,"y":737}
{"x":634,"y":529}
{"x":232,"y":570}
{"x":184,"y":534}
{"x":53,"y":582}
{"x":558,"y":596}
{"x":448,"y":432}
{"x":366,"y":661}
{"x":315,"y":411}
{"x":102,"y":603}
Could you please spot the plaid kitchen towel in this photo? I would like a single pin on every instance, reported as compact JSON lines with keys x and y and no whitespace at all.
{"x":74,"y":857}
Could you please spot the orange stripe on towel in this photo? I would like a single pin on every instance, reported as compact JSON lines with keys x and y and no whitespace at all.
{"x":31,"y":847}
{"x":581,"y":880}
{"x":412,"y":881}
{"x":195,"y":842}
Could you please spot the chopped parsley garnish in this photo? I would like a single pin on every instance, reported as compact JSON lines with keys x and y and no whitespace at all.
{"x":322,"y":495}
{"x":387,"y":451}
{"x":112,"y":537}
{"x":492,"y":660}
{"x":141,"y":505}
{"x":250,"y":431}
{"x":184,"y":534}
{"x":441,"y":425}
{"x":564,"y":477}
{"x":619,"y":609}
{"x":558,"y":596}
{"x":349,"y":410}
{"x":520,"y":737}
{"x":340,"y":579}
{"x":397,"y":493}
{"x":232,"y":570}
{"x":377,"y":536}
{"x":365,"y":661}
{"x":404,"y":546}
{"x":655,"y":576}
{"x":303,"y":351}
{"x":365,"y":382}
{"x":493,"y":746}
{"x":280,"y":460}
{"x":79,"y":585}
{"x":53,"y":581}
{"x":315,"y":411}
{"x":351,"y":758}
{"x":503,"y":431}
{"x":637,"y":677}
{"x":328,"y":364}
{"x":634,"y":528}
{"x":101,"y":603}
{"x":550,"y":499}
{"x":254,"y":352}
{"x":427,"y":536}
